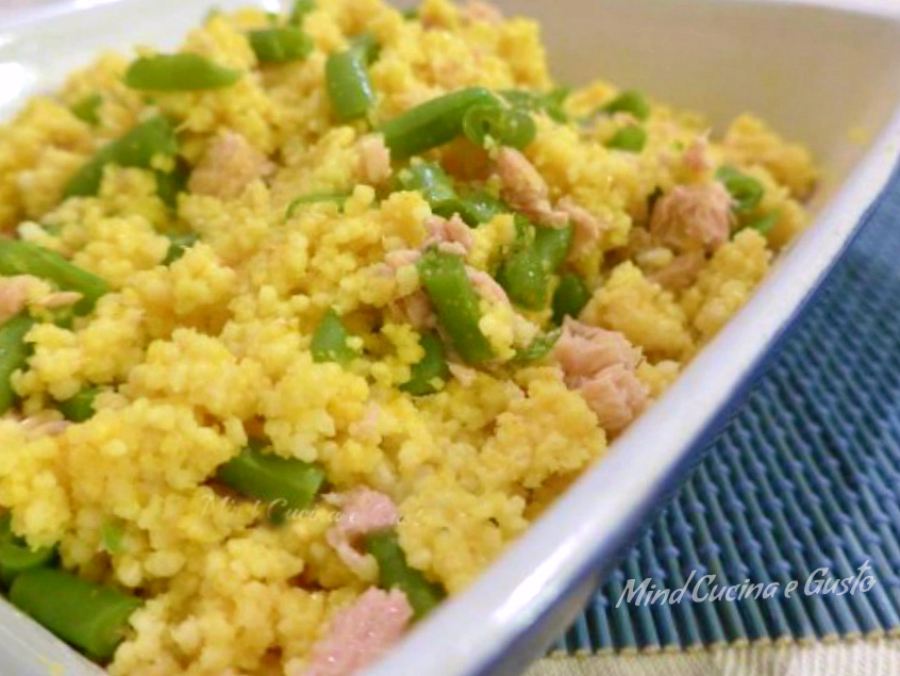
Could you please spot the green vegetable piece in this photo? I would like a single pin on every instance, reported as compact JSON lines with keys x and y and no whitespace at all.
{"x":137,"y":148}
{"x":112,"y":536}
{"x":631,"y":139}
{"x":481,"y":207}
{"x":745,"y":190}
{"x":172,"y":183}
{"x":88,"y":109}
{"x":281,"y":44}
{"x":431,"y":369}
{"x":411,"y":14}
{"x":315,"y":198}
{"x":436,"y":187}
{"x":570,"y":297}
{"x":432,"y":123}
{"x":178,"y":72}
{"x":367,"y":45}
{"x":553,"y":245}
{"x":92,"y":617}
{"x":329,"y":342}
{"x":490,"y":124}
{"x":14,"y":353}
{"x":455,"y":302}
{"x":349,"y":87}
{"x":395,"y":573}
{"x":16,"y":556}
{"x":299,"y":11}
{"x":540,"y":347}
{"x":80,"y":407}
{"x":629,"y":102}
{"x":525,"y":279}
{"x":24,"y":258}
{"x":179,"y":246}
{"x":764,"y":224}
{"x":284,"y":484}
{"x":550,"y":103}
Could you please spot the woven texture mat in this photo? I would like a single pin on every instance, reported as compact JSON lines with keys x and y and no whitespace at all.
{"x":806,"y":476}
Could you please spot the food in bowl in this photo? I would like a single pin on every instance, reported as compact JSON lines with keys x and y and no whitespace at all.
{"x":301,"y":325}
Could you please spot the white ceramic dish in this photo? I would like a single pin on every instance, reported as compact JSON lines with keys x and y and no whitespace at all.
{"x":816,"y":69}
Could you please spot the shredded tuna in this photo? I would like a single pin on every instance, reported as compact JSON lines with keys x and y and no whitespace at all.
{"x":452,"y":236}
{"x":60,"y":299}
{"x":681,"y":272}
{"x":693,"y":217}
{"x":13,"y":296}
{"x":402,"y":257}
{"x":465,"y":375}
{"x":367,"y":428}
{"x":359,"y":634}
{"x":486,"y":286}
{"x":475,"y":10}
{"x":601,"y":366}
{"x":39,"y":427}
{"x":525,"y":190}
{"x":416,"y":309}
{"x":696,"y":157}
{"x":374,"y":159}
{"x":362,"y":511}
{"x":229,"y":165}
{"x":588,"y":228}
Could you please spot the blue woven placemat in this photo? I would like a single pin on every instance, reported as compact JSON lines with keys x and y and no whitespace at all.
{"x":805,"y":476}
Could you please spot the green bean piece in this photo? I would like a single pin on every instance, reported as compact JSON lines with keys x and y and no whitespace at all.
{"x":284,"y":484}
{"x":112,"y":536}
{"x":631,"y":139}
{"x":411,"y":14}
{"x":349,"y":87}
{"x":525,"y":278}
{"x":540,"y":347}
{"x":432,"y":123}
{"x":745,"y":190}
{"x":764,"y":224}
{"x":15,"y":554}
{"x":551,"y":104}
{"x":553,"y":245}
{"x":480,"y":207}
{"x":178,"y":72}
{"x":92,"y":617}
{"x":428,"y":375}
{"x":178,"y":246}
{"x":444,"y":277}
{"x":79,"y":408}
{"x":489,"y":125}
{"x":570,"y":297}
{"x":14,"y":353}
{"x":88,"y":109}
{"x":170,"y":184}
{"x":329,"y":342}
{"x":395,"y":573}
{"x":280,"y":44}
{"x":315,"y":198}
{"x":24,"y":258}
{"x":299,"y":11}
{"x":436,"y":187}
{"x":137,"y":148}
{"x":367,"y":45}
{"x":629,"y":102}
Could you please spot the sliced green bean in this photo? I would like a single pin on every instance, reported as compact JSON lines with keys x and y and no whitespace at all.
{"x":88,"y":109}
{"x":79,"y":408}
{"x":299,"y":11}
{"x":525,"y":279}
{"x":112,"y":536}
{"x":428,"y":375}
{"x":745,"y":190}
{"x":315,"y":198}
{"x":433,"y":123}
{"x":24,"y":258}
{"x":90,"y":616}
{"x":349,"y":88}
{"x":489,"y":125}
{"x":170,"y":184}
{"x":550,"y":103}
{"x":280,"y":44}
{"x":178,"y":72}
{"x":480,"y":207}
{"x":16,"y":556}
{"x":540,"y":347}
{"x":395,"y":573}
{"x":764,"y":224}
{"x":179,"y":244}
{"x":14,"y":353}
{"x":631,"y":139}
{"x":137,"y":148}
{"x":553,"y":245}
{"x":368,"y":45}
{"x":329,"y":342}
{"x":455,"y":302}
{"x":630,"y":101}
{"x":411,"y":14}
{"x":283,"y":484}
{"x":436,"y":187}
{"x":570,"y":297}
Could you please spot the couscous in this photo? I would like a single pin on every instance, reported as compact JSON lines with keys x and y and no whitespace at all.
{"x":302,"y":325}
